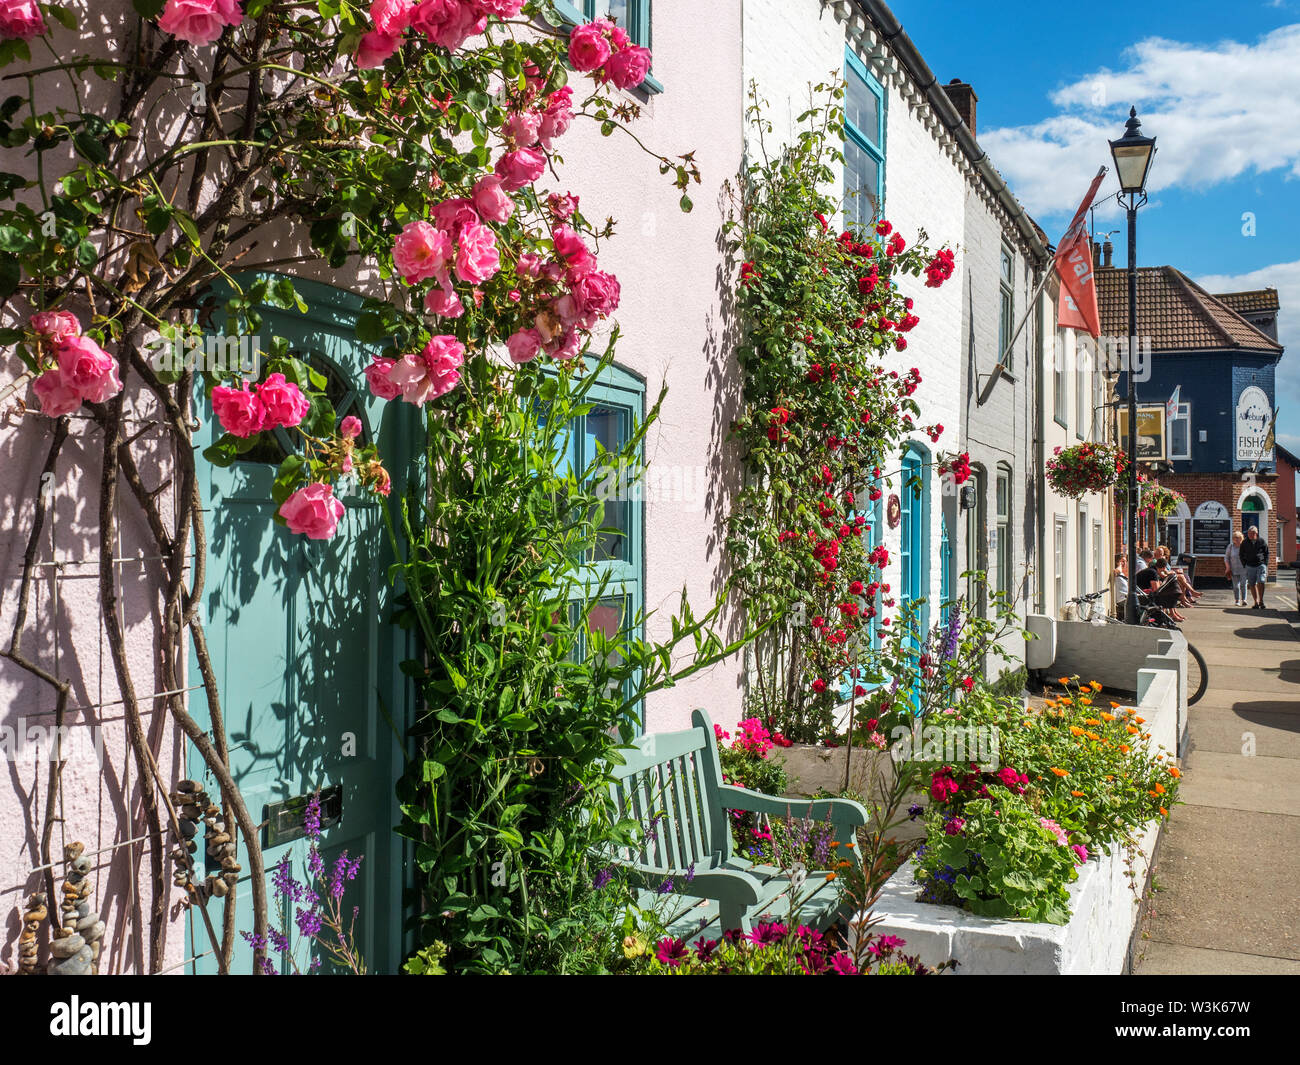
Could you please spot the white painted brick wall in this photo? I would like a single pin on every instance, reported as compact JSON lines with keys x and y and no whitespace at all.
{"x":791,"y":44}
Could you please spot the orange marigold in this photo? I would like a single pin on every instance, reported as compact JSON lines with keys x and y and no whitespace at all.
{"x":1077,"y":794}
{"x":1060,"y":772}
{"x":1175,"y":772}
{"x":1164,"y":812}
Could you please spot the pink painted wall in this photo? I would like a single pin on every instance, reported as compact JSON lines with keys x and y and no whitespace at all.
{"x":675,"y":315}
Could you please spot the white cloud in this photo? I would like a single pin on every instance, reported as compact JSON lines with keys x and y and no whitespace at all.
{"x":1285,"y":277}
{"x":1218,"y":112}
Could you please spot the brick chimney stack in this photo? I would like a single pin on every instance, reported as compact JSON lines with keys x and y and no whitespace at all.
{"x":964,"y":99}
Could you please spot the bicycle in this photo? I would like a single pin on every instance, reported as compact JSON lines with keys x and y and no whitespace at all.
{"x":1198,"y":673}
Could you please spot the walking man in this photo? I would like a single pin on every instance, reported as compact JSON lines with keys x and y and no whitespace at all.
{"x":1254,"y":556}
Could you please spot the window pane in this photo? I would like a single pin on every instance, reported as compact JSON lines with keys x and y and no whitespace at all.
{"x":862,"y":108}
{"x":1180,"y":434}
{"x":1004,"y":492}
{"x":861,"y":186}
{"x":1007,"y":263}
{"x":606,"y":429}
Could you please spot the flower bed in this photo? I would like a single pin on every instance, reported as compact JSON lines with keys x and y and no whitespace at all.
{"x":1101,"y":901}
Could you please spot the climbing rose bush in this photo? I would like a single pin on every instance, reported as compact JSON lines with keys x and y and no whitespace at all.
{"x":828,"y":408}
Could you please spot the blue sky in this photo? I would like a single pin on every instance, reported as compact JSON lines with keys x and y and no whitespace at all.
{"x":1218,"y":85}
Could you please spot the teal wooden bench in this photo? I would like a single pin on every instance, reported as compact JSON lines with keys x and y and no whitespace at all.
{"x":672,"y":786}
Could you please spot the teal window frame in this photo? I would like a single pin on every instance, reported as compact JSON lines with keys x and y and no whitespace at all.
{"x":638,"y":26}
{"x":860,"y":138}
{"x":625,"y":391}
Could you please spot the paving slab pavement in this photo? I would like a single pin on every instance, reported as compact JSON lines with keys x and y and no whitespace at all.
{"x":1228,"y":870}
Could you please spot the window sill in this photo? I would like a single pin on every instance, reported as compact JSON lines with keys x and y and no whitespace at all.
{"x":1064,"y":425}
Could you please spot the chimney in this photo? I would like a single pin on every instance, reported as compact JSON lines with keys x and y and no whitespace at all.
{"x":1096,"y":253}
{"x":1107,"y":250}
{"x":964,"y":99}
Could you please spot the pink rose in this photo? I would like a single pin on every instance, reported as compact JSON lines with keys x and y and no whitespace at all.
{"x":283,"y":401}
{"x":375,"y":49}
{"x":528,"y":265}
{"x":420,"y":251}
{"x":54,"y":325}
{"x":597,"y":293}
{"x":57,"y":398}
{"x":411,"y":378}
{"x":88,"y":368}
{"x":20,"y":20}
{"x":432,"y":373}
{"x":199,"y":21}
{"x":453,"y":214}
{"x":557,"y":117}
{"x":350,"y":427}
{"x":521,"y":129}
{"x":520,"y":167}
{"x":377,"y":377}
{"x":570,"y":247}
{"x":444,"y":356}
{"x":500,"y":8}
{"x":238,"y":410}
{"x":566,"y":346}
{"x":313,"y":511}
{"x":477,"y":258}
{"x":562,"y":207}
{"x":491,"y":200}
{"x":447,"y":22}
{"x":524,"y":345}
{"x":627,"y":68}
{"x":444,"y":303}
{"x":589,"y":46}
{"x":391,"y":17}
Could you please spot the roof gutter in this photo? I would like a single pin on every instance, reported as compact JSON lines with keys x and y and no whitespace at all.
{"x":892,"y":33}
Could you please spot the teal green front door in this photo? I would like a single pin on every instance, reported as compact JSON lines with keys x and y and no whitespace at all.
{"x":305,"y":662}
{"x":914,"y":539}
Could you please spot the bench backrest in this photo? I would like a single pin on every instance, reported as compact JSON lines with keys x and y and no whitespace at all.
{"x":669,"y":785}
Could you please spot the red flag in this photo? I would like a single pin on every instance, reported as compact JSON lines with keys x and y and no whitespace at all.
{"x":1078,"y":305}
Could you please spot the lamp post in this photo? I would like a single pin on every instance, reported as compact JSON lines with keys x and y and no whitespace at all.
{"x":1132,"y":154}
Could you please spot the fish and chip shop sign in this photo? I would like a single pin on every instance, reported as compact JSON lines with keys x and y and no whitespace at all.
{"x":1254,"y":426}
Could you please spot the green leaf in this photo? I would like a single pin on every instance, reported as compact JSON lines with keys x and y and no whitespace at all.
{"x":91,"y":147}
{"x":433,"y":770}
{"x":12,"y":240}
{"x":370,"y":328}
{"x":152,"y":8}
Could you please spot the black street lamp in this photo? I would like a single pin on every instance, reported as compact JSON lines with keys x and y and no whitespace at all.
{"x":1132,"y":154}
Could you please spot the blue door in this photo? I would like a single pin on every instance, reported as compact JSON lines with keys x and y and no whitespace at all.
{"x":914,"y":532}
{"x":305,"y":662}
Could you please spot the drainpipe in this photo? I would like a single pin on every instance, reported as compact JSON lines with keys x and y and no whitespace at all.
{"x":1040,"y":459}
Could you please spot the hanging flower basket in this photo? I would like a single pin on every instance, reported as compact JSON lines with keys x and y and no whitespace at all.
{"x":1160,"y":500}
{"x":1085,"y":469}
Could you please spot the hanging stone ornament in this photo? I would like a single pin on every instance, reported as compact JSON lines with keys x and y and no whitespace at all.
{"x":74,"y":951}
{"x":194,"y":805}
{"x":27,"y":945}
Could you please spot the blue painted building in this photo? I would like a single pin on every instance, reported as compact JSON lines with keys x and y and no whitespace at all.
{"x":1210,"y":362}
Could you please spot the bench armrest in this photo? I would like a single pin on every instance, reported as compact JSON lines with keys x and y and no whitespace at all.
{"x":842,"y":811}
